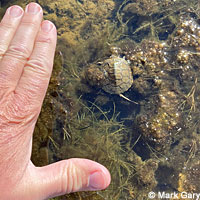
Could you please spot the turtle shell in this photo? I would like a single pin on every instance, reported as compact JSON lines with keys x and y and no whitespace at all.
{"x":118,"y":75}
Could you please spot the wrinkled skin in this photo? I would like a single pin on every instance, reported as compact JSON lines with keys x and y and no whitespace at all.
{"x":26,"y":59}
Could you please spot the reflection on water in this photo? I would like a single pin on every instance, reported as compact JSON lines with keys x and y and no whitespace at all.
{"x":149,"y":138}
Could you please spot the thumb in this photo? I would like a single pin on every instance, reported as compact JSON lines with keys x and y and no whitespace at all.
{"x":68,"y":176}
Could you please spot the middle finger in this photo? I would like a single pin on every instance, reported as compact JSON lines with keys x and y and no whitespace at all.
{"x":20,"y":48}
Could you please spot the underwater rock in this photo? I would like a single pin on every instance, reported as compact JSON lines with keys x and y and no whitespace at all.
{"x":189,"y":178}
{"x":158,"y":123}
{"x":95,"y":76}
{"x":146,"y":173}
{"x":141,"y":7}
{"x":186,"y":48}
{"x":182,"y":164}
{"x":145,"y":7}
{"x":147,"y":60}
{"x":143,"y":180}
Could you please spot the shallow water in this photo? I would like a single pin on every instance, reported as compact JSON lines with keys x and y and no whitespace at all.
{"x":150,"y":143}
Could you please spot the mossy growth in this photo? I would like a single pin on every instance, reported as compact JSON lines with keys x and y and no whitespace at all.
{"x":92,"y":135}
{"x":44,"y":126}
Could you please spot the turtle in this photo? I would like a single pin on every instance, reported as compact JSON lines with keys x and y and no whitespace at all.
{"x":118,"y":75}
{"x":113,"y":75}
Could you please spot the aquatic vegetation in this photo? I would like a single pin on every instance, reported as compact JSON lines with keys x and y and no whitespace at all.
{"x":142,"y":19}
{"x":78,"y":21}
{"x":94,"y":136}
{"x":152,"y":137}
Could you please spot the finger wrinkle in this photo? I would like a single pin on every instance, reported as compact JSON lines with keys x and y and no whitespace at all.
{"x":15,"y":64}
{"x":10,"y":62}
{"x":31,"y":87}
{"x":29,"y":19}
{"x":17,"y":112}
{"x":6,"y":25}
{"x":31,"y":25}
{"x":19,"y":52}
{"x":2,"y":53}
{"x":39,"y":67}
{"x":44,"y":39}
{"x":73,"y":178}
{"x":3,"y":48}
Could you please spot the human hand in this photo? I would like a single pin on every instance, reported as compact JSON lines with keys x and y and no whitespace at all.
{"x":27,"y":46}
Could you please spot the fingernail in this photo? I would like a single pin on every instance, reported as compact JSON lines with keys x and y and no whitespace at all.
{"x":47,"y":26}
{"x":33,"y":8}
{"x":15,"y":11}
{"x":96,"y":180}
